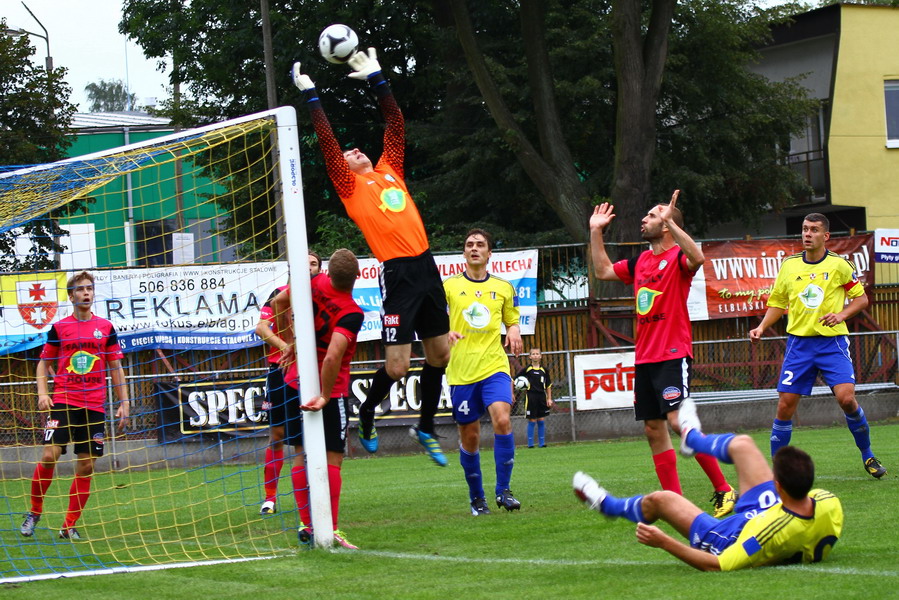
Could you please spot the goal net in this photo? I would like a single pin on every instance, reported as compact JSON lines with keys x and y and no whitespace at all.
{"x":186,"y":234}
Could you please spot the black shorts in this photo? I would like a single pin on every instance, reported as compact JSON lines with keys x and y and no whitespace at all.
{"x":85,"y":429}
{"x":336,"y":415}
{"x":413,"y":300}
{"x":535,"y":407}
{"x":660,"y":387}
{"x":276,"y":394}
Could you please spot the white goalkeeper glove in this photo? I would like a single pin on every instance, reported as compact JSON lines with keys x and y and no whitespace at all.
{"x":364,"y":65}
{"x":304,"y":82}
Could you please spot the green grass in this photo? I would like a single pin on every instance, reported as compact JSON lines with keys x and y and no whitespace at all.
{"x":418,"y":540}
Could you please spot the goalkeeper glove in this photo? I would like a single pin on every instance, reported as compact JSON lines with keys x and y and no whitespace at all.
{"x":364,"y":65}
{"x":304,"y":82}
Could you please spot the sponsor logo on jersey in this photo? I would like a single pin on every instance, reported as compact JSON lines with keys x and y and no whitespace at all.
{"x":645,"y":299}
{"x":393,"y":199}
{"x":812,"y":296}
{"x":477,"y":315}
{"x":82,"y":362}
{"x":391,"y":320}
{"x":98,"y":439}
{"x":663,"y":264}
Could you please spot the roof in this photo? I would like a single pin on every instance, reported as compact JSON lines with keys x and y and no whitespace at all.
{"x":118,"y":120}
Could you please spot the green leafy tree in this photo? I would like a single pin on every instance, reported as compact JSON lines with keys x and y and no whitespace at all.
{"x":520,"y":115}
{"x":109,"y":96}
{"x":35,"y":114}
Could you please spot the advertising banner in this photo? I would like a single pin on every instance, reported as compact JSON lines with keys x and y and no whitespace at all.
{"x":30,"y":305}
{"x":208,"y":306}
{"x":886,"y":245}
{"x":604,"y":380}
{"x":737,"y":276}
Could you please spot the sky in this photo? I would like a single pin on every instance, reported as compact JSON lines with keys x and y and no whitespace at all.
{"x":84,"y":38}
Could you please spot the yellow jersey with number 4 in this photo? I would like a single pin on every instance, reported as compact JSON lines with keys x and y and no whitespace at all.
{"x":477,"y":310}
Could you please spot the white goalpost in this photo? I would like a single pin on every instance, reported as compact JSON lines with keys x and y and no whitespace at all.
{"x":188,"y":245}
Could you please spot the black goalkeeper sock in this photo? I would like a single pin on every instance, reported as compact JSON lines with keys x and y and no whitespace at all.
{"x":380,"y":386}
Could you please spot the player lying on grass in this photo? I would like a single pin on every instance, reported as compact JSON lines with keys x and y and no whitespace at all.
{"x":778,"y":518}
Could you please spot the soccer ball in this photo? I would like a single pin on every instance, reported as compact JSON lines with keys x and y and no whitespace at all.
{"x":337,"y":43}
{"x":522,"y":383}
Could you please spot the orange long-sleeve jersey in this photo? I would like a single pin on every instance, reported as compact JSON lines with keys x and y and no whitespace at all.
{"x":378,"y":202}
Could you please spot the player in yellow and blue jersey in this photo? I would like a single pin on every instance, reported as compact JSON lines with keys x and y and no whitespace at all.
{"x":812,"y":287}
{"x":778,"y":518}
{"x":478,"y":372}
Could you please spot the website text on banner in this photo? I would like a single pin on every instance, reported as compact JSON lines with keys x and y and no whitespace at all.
{"x":738,"y":275}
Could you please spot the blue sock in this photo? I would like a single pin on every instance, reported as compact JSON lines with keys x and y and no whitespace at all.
{"x":530,"y":434}
{"x":504,"y":456}
{"x":541,"y":432}
{"x":781,"y":434}
{"x":714,"y":444}
{"x":471,"y":466}
{"x":629,"y":508}
{"x":858,"y":425}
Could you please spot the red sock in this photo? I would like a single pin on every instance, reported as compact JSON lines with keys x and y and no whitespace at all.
{"x":335,"y":482}
{"x":301,"y":494}
{"x":274,"y":460}
{"x":712,"y":469}
{"x":666,"y":470}
{"x":78,"y":496}
{"x":40,"y":483}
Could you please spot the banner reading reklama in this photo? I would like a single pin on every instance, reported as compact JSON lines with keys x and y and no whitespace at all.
{"x":208,"y":306}
{"x":738,"y":276}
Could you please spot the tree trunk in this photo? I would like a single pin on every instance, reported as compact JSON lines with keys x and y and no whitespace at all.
{"x":551,"y":168}
{"x":639,"y":65}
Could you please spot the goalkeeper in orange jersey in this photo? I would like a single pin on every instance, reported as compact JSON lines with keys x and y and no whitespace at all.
{"x":376,"y":198}
{"x":778,"y":519}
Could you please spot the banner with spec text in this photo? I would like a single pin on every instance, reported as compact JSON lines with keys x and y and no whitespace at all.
{"x":738,"y":276}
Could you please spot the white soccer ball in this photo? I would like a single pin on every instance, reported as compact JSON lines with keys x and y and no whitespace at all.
{"x":337,"y":43}
{"x":522,"y":383}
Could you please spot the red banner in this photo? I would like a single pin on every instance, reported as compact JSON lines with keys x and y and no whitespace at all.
{"x":739,"y":275}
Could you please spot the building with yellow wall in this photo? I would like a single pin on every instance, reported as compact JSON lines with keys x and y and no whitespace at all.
{"x":847,"y":56}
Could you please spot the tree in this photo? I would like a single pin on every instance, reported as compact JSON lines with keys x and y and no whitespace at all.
{"x":35,"y":114}
{"x":109,"y":96}
{"x":720,"y":33}
{"x":520,"y":115}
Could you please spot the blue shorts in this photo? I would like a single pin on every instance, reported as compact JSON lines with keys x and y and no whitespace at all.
{"x":805,"y":356}
{"x":471,"y":401}
{"x":715,"y":535}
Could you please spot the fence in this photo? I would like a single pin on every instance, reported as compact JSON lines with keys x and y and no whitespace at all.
{"x":730,"y":370}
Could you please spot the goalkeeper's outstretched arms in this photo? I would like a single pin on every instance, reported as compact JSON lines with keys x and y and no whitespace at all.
{"x":366,"y":67}
{"x":338,"y":170}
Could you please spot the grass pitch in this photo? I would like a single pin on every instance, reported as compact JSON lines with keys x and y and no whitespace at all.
{"x":418,"y":540}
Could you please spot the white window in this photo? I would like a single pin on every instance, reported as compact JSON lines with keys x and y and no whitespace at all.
{"x":891,"y":101}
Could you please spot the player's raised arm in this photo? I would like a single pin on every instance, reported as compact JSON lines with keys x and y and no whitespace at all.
{"x":599,"y":220}
{"x":338,"y":170}
{"x":366,"y":67}
{"x":692,"y":252}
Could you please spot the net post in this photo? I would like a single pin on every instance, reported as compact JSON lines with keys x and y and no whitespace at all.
{"x":301,"y":304}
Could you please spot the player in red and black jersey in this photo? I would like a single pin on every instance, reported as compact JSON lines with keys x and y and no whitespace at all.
{"x":661,"y":278}
{"x":83,"y":347}
{"x":337,"y":320}
{"x":275,"y":394}
{"x":378,"y":201}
